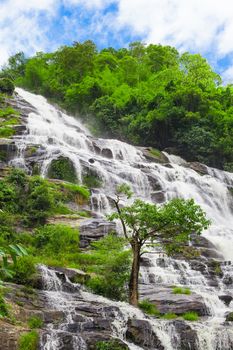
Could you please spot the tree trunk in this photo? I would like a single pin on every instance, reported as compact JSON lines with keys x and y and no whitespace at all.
{"x":133,"y":282}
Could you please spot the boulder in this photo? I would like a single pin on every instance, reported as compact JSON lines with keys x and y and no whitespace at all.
{"x":74,"y":275}
{"x":168,"y":302}
{"x":8,"y":150}
{"x":200,"y":168}
{"x":229,"y":317}
{"x":226,"y":299}
{"x":153,"y":155}
{"x":93,"y":230}
{"x":188,"y":336}
{"x":141,"y":333}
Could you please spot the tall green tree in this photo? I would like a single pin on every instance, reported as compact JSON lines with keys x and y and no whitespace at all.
{"x":170,"y":226}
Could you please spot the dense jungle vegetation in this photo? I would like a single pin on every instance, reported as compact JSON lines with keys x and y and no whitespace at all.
{"x":147,"y":95}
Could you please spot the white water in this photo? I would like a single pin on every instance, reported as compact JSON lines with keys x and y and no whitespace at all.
{"x":61,"y":134}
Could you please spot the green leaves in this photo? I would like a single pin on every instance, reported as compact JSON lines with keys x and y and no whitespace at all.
{"x":170,"y":225}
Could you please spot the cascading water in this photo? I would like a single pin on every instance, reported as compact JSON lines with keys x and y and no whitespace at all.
{"x":116,"y":162}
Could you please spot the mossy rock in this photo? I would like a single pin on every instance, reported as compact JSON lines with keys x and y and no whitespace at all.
{"x":229,"y":317}
{"x":6,"y":86}
{"x":91,"y":179}
{"x":114,"y":344}
{"x":62,"y":168}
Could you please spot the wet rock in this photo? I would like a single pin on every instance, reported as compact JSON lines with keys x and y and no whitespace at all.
{"x":94,"y":339}
{"x":145,"y":262}
{"x":74,"y":275}
{"x":229,"y":317}
{"x":94,"y":229}
{"x":200,"y":168}
{"x":106,"y":152}
{"x":141,"y":333}
{"x":8,"y":150}
{"x":19,"y":129}
{"x":226,"y":299}
{"x":161,"y":262}
{"x":158,"y":197}
{"x":227,"y":279}
{"x":198,"y":266}
{"x":154,"y":183}
{"x":168,"y":302}
{"x":188,"y":336}
{"x":153,"y":155}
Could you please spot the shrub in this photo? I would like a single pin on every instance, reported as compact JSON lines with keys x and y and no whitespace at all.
{"x":111,"y":264}
{"x":6,"y":86}
{"x":147,"y":307}
{"x":6,"y":131}
{"x":55,"y":239}
{"x":62,"y":168}
{"x":190,"y":316}
{"x":181,"y":290}
{"x":29,"y":341}
{"x":35,"y":322}
{"x":72,"y":190}
{"x":24,"y":270}
{"x":169,"y":316}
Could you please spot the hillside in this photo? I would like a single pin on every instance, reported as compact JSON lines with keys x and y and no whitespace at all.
{"x":145,"y":95}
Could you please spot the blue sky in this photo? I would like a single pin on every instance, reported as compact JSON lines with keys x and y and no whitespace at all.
{"x":202,"y":26}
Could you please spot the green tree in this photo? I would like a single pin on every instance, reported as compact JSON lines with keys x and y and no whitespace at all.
{"x":169,"y":225}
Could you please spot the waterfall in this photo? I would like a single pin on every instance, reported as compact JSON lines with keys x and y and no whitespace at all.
{"x":116,"y":162}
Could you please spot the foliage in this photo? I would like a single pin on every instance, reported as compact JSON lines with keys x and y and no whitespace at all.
{"x":35,"y":322}
{"x":147,"y":307}
{"x":14,"y":252}
{"x":24,"y":270}
{"x":29,"y":341}
{"x":181,"y":290}
{"x":109,"y":263}
{"x":190,"y":316}
{"x":52,"y":239}
{"x":6,"y":131}
{"x":170,"y":225}
{"x":62,"y":169}
{"x":34,"y":198}
{"x":6,"y":86}
{"x":169,"y":316}
{"x":146,"y":94}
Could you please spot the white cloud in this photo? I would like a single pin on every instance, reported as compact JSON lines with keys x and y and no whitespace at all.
{"x":195,"y":25}
{"x":22,"y":28}
{"x":204,"y":26}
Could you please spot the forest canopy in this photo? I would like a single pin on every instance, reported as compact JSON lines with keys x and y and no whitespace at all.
{"x":146,"y":95}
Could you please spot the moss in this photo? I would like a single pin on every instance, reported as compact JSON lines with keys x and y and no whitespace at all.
{"x":181,"y":290}
{"x":190,"y":316}
{"x":110,"y":345}
{"x":156,"y":153}
{"x":35,"y":322}
{"x":62,"y":168}
{"x":149,"y":308}
{"x":29,"y":341}
{"x":6,"y":131}
{"x":73,"y":191}
{"x":169,"y":316}
{"x":92,"y":180}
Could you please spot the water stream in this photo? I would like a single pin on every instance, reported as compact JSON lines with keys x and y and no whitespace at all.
{"x":116,"y":162}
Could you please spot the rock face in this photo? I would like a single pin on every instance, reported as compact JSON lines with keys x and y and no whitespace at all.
{"x":94,"y":229}
{"x":141,"y":333}
{"x":188,"y":337}
{"x":168,"y":302}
